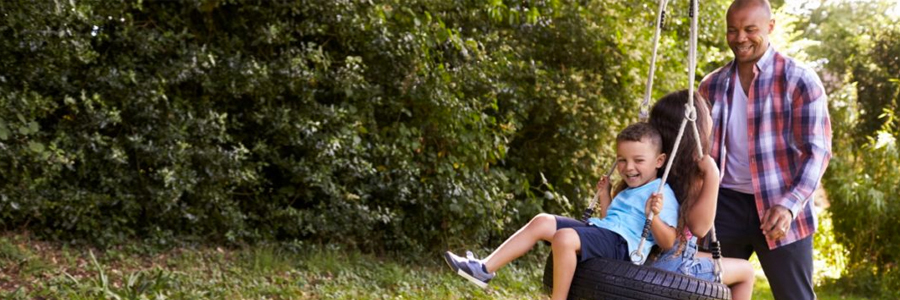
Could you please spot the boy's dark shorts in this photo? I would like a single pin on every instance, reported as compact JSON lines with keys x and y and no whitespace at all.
{"x":596,"y":241}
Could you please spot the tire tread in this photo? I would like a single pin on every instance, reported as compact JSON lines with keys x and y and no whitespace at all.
{"x":610,"y":279}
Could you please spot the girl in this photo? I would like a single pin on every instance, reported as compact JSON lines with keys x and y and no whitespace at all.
{"x":695,"y":182}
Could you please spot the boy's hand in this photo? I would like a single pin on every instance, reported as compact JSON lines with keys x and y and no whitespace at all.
{"x":603,"y":184}
{"x":654,"y":204}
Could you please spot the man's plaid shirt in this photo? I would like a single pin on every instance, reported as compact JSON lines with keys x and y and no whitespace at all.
{"x":789,"y":135}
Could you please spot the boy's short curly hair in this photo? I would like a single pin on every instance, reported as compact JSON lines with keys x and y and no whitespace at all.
{"x":638,"y":131}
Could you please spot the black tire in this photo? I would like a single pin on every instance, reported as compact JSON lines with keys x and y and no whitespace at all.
{"x":602,"y":278}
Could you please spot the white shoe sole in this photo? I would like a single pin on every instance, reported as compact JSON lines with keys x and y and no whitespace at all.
{"x":477,"y":282}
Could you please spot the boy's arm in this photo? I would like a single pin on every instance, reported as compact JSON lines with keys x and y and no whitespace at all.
{"x":663,"y":234}
{"x":603,"y":187}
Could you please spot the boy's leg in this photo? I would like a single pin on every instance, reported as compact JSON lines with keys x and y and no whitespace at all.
{"x":542,"y":227}
{"x":480,"y":272}
{"x":566,"y":243}
{"x":591,"y":242}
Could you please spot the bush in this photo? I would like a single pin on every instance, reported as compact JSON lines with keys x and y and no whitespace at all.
{"x":856,"y":45}
{"x":397,"y":124}
{"x":862,"y":181}
{"x":861,"y":185}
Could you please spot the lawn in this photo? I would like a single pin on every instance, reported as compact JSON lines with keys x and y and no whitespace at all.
{"x":33,"y":269}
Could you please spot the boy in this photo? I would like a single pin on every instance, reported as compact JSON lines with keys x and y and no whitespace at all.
{"x":639,"y":156}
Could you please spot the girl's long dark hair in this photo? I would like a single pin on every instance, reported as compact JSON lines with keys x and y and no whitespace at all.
{"x":685,"y":177}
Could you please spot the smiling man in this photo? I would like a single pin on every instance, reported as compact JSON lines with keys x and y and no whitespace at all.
{"x":772,"y":141}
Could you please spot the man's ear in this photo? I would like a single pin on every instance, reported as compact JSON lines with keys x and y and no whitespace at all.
{"x":660,"y":160}
{"x":771,"y":25}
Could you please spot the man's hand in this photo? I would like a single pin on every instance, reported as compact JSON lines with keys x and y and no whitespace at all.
{"x":776,"y":222}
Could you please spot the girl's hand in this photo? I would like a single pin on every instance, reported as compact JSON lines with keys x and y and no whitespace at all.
{"x":654,"y":204}
{"x":707,"y":164}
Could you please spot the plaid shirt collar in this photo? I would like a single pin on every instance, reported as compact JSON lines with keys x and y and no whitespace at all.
{"x":764,"y":62}
{"x":767,"y":58}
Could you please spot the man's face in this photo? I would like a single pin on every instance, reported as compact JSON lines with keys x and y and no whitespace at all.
{"x":748,"y":32}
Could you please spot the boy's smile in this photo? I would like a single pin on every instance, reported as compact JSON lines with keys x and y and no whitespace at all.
{"x":637,"y":162}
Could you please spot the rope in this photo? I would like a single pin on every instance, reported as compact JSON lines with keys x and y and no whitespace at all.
{"x":645,"y":105}
{"x":692,"y":66}
{"x":716,"y":250}
{"x":637,"y":256}
{"x":690,"y":115}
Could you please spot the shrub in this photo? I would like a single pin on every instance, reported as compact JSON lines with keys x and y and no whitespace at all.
{"x":862,"y":182}
{"x":856,"y":46}
{"x":861,"y":186}
{"x":397,"y":124}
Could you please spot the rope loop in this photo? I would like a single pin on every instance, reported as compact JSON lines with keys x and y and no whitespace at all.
{"x":690,"y":112}
{"x":637,"y":257}
{"x":644,"y":114}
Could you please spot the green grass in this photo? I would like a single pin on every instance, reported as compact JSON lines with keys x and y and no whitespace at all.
{"x":32,"y":269}
{"x":262,"y":272}
{"x":762,"y":291}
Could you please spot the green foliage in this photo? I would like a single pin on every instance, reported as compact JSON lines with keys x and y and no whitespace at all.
{"x":855,"y":44}
{"x":398,"y":124}
{"x":861,"y":185}
{"x":864,"y":171}
{"x":859,"y":40}
{"x":829,"y":256}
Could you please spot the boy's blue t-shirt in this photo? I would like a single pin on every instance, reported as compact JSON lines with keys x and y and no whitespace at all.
{"x":626,"y":217}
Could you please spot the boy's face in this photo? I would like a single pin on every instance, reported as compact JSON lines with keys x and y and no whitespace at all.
{"x":637,"y":161}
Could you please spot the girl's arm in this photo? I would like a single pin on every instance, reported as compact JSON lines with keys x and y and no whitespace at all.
{"x":703,"y":214}
{"x":662,"y":232}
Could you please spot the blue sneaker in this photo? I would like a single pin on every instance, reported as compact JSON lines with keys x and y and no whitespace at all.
{"x":469,"y":268}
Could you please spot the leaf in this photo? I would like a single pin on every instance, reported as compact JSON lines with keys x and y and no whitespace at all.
{"x":37,"y":147}
{"x":33,"y":127}
{"x":4,"y":132}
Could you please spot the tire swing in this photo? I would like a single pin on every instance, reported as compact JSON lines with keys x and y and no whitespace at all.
{"x":602,"y":278}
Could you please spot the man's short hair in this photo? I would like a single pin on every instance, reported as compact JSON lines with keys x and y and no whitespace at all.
{"x":739,"y":4}
{"x":638,"y":132}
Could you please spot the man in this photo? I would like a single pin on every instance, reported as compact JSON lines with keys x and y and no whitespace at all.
{"x":772,"y":140}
